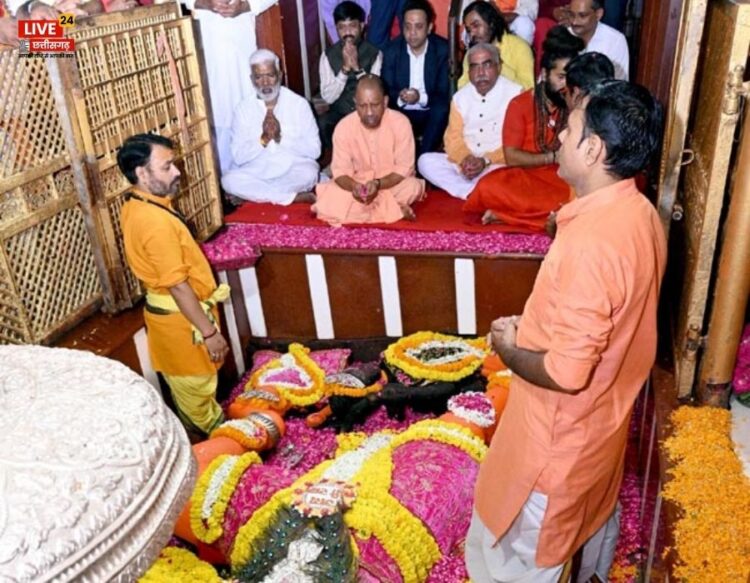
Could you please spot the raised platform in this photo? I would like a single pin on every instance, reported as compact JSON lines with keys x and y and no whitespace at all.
{"x":294,"y":278}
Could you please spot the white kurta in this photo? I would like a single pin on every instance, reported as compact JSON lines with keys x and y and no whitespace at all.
{"x":612,"y":43}
{"x":277,"y":172}
{"x":227,"y":46}
{"x":483,"y":117}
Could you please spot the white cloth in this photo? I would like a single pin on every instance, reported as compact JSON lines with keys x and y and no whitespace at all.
{"x":437,"y":169}
{"x":227,"y":46}
{"x":612,"y":43}
{"x":512,"y":559}
{"x":483,"y":117}
{"x":332,"y":85}
{"x":277,"y":172}
{"x":524,"y":27}
{"x":416,"y":78}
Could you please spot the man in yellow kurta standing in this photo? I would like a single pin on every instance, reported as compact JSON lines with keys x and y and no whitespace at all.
{"x":580,"y":354}
{"x":185,"y":342}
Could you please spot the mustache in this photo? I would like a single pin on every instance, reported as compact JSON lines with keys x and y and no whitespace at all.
{"x":348,"y":37}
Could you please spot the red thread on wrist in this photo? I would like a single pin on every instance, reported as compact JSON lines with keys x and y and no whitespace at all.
{"x":214,"y":333}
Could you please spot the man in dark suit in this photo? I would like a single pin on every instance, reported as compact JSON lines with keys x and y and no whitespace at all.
{"x":415,"y":70}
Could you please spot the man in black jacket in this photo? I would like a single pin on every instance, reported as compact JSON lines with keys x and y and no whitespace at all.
{"x":415,"y":70}
{"x":343,"y":64}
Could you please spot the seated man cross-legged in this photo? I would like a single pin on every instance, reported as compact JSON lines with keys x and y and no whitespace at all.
{"x":415,"y":71}
{"x":373,"y":163}
{"x":275,"y":141}
{"x":524,"y":194}
{"x":473,"y":140}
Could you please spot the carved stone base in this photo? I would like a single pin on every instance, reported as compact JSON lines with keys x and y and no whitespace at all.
{"x":94,"y":469}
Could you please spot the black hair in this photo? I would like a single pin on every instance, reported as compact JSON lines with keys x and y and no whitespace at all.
{"x":588,"y":70}
{"x":422,"y":5}
{"x":560,"y":43}
{"x":491,"y":15}
{"x":369,"y":78}
{"x":597,"y":4}
{"x":348,"y":10}
{"x":628,"y":120}
{"x":136,"y":152}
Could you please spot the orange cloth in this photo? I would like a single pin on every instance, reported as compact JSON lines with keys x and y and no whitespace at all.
{"x":162,"y":253}
{"x":593,"y":311}
{"x":521,"y":197}
{"x":364,"y":154}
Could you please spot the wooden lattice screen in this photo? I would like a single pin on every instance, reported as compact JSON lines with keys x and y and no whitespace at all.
{"x":61,"y":123}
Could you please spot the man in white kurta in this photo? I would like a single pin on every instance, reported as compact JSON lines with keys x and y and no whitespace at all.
{"x":474,"y":138}
{"x":228,"y":38}
{"x":585,"y":22}
{"x":274,"y":140}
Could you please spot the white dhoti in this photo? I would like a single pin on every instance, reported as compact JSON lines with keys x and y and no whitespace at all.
{"x":439,"y":170}
{"x":260,"y":180}
{"x":512,"y":559}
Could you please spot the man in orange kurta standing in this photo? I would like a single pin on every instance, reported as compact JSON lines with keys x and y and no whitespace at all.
{"x":579,"y":353}
{"x":523,"y":194}
{"x":185,"y":342}
{"x":373,"y":163}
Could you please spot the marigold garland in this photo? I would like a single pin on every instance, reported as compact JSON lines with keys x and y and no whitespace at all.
{"x":176,"y":565}
{"x":712,"y":538}
{"x":298,"y":396}
{"x":375,"y":511}
{"x":333,"y":388}
{"x":213,"y":491}
{"x":402,"y":355}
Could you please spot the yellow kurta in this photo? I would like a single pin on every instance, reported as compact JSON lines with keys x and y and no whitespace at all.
{"x":162,"y":253}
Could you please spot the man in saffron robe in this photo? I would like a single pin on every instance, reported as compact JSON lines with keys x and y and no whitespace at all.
{"x":523,"y":194}
{"x":373,"y":163}
{"x":184,"y":339}
{"x":579,"y":353}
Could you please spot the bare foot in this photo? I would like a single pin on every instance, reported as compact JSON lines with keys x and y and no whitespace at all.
{"x":489,"y":218}
{"x":308,"y":197}
{"x":408,"y":213}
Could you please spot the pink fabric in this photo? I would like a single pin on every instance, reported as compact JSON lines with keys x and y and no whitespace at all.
{"x":255,"y":487}
{"x":435,"y":482}
{"x":375,"y":561}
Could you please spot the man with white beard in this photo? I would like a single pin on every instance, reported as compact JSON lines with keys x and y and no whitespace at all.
{"x":274,"y":142}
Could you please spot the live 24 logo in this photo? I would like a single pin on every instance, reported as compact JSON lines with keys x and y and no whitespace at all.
{"x":46,"y":38}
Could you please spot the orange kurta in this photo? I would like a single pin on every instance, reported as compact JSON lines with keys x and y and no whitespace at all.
{"x":593,"y":311}
{"x":162,"y":253}
{"x":365,"y":154}
{"x":521,"y":197}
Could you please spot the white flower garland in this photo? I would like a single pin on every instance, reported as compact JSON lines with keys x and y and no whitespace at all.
{"x":214,"y":486}
{"x":247,"y":427}
{"x":348,"y":464}
{"x":474,"y":416}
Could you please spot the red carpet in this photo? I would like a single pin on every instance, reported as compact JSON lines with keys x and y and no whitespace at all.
{"x":438,"y":212}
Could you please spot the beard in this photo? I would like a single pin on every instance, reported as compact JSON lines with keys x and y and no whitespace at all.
{"x":268,"y":94}
{"x":556,"y":97}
